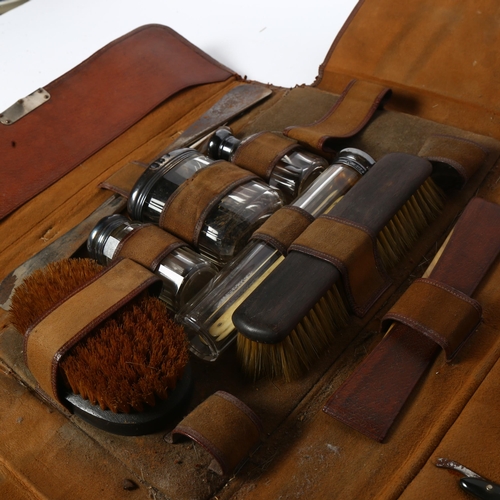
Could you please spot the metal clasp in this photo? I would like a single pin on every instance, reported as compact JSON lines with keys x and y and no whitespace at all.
{"x":24,"y":106}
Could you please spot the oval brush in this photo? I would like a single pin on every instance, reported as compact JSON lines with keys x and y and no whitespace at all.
{"x":130,"y":363}
{"x":280,"y":334}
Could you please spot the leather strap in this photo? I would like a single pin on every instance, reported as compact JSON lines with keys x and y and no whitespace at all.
{"x":123,"y":180}
{"x":283,"y":227}
{"x":77,"y":315}
{"x":186,"y":210}
{"x":352,"y":111}
{"x":454,"y":159}
{"x":147,"y":245}
{"x":371,"y":399}
{"x":227,"y":428}
{"x":261,"y":152}
{"x":94,"y":103}
{"x":351,"y":248}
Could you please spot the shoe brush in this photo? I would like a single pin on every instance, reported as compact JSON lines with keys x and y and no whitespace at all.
{"x":130,"y":371}
{"x":281,"y":327}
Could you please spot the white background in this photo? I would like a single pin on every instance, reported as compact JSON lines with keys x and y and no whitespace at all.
{"x":271,"y":41}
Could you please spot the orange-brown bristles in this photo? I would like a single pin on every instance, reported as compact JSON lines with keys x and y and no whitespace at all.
{"x":127,"y":362}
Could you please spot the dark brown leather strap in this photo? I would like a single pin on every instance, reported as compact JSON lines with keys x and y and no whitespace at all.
{"x":94,"y":103}
{"x":283,"y":227}
{"x":371,"y":399}
{"x":227,"y":428}
{"x":72,"y":319}
{"x":348,"y":116}
{"x":147,"y":245}
{"x":455,"y":159}
{"x":260,"y":153}
{"x":186,"y":210}
{"x":351,"y":248}
{"x":123,"y":180}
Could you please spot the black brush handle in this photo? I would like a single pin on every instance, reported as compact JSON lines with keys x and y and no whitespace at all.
{"x":275,"y":308}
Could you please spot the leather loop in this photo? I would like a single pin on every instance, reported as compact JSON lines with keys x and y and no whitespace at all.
{"x":352,"y":250}
{"x":283,"y":227}
{"x":185,"y":211}
{"x":147,"y":245}
{"x":261,"y":152}
{"x":351,"y":112}
{"x":77,"y":315}
{"x":438,"y":311}
{"x":454,"y":159}
{"x":123,"y":180}
{"x":227,"y":428}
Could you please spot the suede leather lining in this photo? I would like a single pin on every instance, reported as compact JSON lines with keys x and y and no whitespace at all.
{"x":147,"y":245}
{"x":186,"y":210}
{"x":76,"y":316}
{"x":283,"y":227}
{"x":439,"y":311}
{"x":123,"y":180}
{"x":260,"y":153}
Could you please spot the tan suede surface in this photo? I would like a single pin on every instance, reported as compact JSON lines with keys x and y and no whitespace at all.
{"x":124,"y":179}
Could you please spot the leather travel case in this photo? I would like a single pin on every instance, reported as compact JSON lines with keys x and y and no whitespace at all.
{"x":438,"y":60}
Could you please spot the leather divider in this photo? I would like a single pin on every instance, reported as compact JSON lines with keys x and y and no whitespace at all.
{"x":227,"y":428}
{"x":283,"y":227}
{"x":351,"y":248}
{"x":123,"y":180}
{"x":47,"y":341}
{"x":147,"y":245}
{"x":372,"y":397}
{"x":185,"y":211}
{"x":438,"y":311}
{"x":454,"y":159}
{"x":352,"y":111}
{"x":96,"y":102}
{"x":260,"y":153}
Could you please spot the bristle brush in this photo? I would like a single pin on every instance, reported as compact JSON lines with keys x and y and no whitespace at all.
{"x":279,"y":331}
{"x":131,"y":367}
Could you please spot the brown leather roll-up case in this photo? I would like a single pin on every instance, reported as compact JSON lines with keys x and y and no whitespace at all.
{"x":404,"y":80}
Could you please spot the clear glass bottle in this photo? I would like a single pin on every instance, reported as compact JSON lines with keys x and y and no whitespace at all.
{"x":228,"y":226}
{"x":207,"y":318}
{"x":292,"y":174}
{"x":183,"y":272}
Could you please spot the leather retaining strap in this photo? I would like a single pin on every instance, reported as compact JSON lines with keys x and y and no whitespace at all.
{"x":123,"y":180}
{"x":283,"y":227}
{"x":77,"y":315}
{"x":260,"y":153}
{"x":454,"y":159}
{"x":351,"y":112}
{"x":186,"y":210}
{"x":227,"y":428}
{"x":111,"y":85}
{"x":371,"y":399}
{"x":147,"y":245}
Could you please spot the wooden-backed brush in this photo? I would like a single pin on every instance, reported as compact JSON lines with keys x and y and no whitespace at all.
{"x":286,"y":322}
{"x":129,"y":363}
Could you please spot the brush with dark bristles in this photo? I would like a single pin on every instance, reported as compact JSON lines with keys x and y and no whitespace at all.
{"x":284,"y":324}
{"x":128,"y":364}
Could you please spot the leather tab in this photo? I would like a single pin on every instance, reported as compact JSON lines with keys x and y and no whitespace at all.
{"x":352,"y":250}
{"x":148,"y":245}
{"x":283,"y":227}
{"x":352,"y":111}
{"x":186,"y":210}
{"x":76,"y":316}
{"x":438,"y":311}
{"x":123,"y":180}
{"x":454,"y":159}
{"x":260,"y":153}
{"x":227,"y":428}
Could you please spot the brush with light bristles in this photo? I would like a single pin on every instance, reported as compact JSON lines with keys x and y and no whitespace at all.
{"x":284,"y":325}
{"x":130,"y":367}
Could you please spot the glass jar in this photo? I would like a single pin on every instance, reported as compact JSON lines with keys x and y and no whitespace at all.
{"x":207,"y":318}
{"x":227,"y":226}
{"x":292,"y":173}
{"x":183,"y":272}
